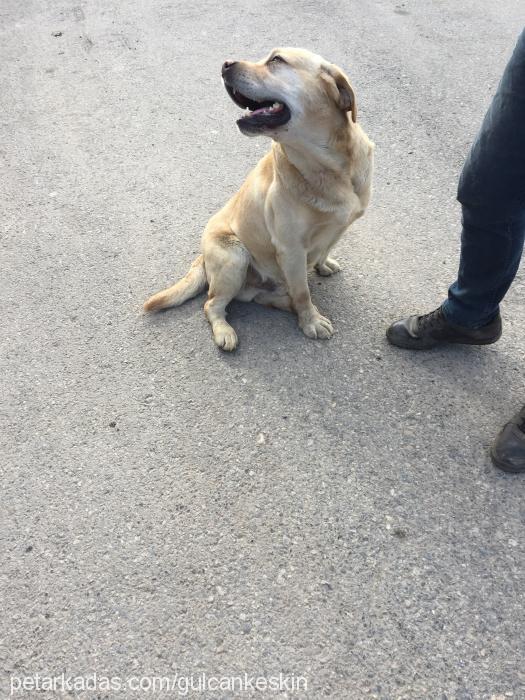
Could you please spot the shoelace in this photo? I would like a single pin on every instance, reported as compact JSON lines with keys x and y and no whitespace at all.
{"x":431,"y":320}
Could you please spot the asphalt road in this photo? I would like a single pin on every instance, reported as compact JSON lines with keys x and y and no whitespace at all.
{"x":322,"y":509}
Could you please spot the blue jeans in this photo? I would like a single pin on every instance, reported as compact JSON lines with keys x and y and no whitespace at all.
{"x":492,"y":196}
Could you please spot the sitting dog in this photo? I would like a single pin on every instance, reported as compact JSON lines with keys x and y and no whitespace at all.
{"x":297,"y":202}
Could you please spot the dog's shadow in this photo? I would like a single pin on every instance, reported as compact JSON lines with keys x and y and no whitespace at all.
{"x":272,"y":347}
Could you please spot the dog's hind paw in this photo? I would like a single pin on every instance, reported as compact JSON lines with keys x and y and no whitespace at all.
{"x":328,"y":267}
{"x":225,"y":337}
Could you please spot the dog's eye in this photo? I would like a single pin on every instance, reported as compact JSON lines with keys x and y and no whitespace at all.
{"x":277,"y":59}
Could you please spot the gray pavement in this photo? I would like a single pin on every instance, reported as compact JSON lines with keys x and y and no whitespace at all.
{"x":323,"y":509}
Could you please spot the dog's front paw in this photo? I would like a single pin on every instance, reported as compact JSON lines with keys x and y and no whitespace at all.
{"x":317,"y":327}
{"x":328,"y":267}
{"x":225,"y":337}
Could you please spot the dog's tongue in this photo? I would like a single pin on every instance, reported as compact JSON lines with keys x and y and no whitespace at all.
{"x":276,"y":107}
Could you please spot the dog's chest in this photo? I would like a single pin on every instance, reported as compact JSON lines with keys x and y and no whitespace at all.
{"x":326,"y":228}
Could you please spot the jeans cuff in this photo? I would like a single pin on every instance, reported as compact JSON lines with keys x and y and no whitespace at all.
{"x":467,"y":318}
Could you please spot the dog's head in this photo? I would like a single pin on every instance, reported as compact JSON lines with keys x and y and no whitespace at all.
{"x":290,"y":94}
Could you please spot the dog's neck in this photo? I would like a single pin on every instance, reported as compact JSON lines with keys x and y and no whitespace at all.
{"x":320,"y":171}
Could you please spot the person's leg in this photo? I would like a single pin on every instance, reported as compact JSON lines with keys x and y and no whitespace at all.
{"x":492,"y":195}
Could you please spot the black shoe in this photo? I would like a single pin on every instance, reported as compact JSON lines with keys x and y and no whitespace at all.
{"x":508,"y":450}
{"x":425,"y":332}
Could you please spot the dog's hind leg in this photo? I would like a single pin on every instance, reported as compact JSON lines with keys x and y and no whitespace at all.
{"x":226,"y":260}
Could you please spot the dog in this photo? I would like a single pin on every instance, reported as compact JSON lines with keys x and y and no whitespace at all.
{"x":297,"y":202}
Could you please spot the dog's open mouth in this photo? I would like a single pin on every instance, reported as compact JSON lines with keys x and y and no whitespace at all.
{"x":269,"y":113}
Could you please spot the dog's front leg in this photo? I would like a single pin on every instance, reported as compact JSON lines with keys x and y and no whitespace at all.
{"x":293,"y":265}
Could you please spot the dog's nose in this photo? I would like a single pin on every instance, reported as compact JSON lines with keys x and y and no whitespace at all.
{"x":226,"y":66}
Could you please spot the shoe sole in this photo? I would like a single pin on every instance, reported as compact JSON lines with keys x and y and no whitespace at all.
{"x":414,"y":344}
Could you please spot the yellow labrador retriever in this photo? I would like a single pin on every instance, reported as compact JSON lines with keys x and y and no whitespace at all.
{"x":297,"y":202}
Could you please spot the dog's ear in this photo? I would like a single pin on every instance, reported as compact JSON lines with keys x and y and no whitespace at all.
{"x":340,"y":89}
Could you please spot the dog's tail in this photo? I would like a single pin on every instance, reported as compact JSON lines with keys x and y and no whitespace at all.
{"x":189,"y":286}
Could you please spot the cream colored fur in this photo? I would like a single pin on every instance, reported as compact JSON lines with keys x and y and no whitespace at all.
{"x":293,"y":207}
